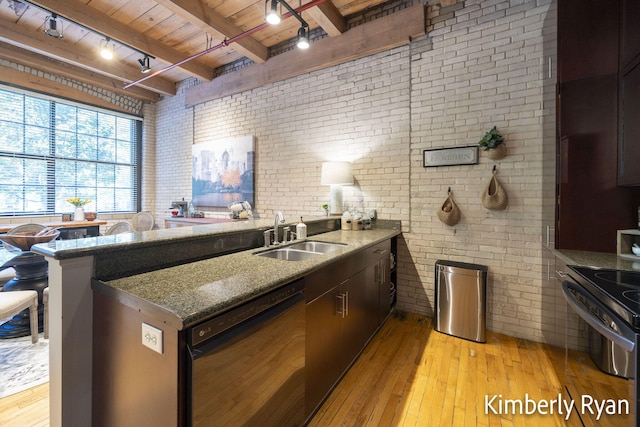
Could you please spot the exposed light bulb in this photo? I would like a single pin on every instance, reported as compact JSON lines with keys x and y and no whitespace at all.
{"x":273,"y":17}
{"x":106,"y":51}
{"x":303,"y":40}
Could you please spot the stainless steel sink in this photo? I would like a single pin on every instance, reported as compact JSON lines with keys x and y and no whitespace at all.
{"x":301,"y":251}
{"x":288,"y":254}
{"x":321,"y":247}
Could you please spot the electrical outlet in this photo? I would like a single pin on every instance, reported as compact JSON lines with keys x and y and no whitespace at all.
{"x":152,"y":338}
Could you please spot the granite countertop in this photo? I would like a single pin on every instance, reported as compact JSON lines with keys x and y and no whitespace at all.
{"x":64,"y":249}
{"x":187,"y":294}
{"x":596,"y":259}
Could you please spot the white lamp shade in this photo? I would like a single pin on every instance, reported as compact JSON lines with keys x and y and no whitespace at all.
{"x":339,"y":173}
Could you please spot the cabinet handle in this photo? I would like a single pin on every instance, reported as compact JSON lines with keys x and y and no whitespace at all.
{"x":346,"y":303}
{"x":341,"y":307}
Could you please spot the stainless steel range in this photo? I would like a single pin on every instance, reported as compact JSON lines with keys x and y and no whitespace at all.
{"x":609,"y":301}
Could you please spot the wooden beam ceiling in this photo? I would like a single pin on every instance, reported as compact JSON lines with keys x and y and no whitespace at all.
{"x":175,"y":33}
{"x":376,"y":36}
{"x":93,"y":19}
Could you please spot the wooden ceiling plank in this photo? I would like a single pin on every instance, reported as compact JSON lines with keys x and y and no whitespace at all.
{"x":211,"y":22}
{"x":77,"y":12}
{"x":376,"y":36}
{"x":328,"y":16}
{"x":39,"y":42}
{"x":41,"y":84}
{"x":49,"y":65}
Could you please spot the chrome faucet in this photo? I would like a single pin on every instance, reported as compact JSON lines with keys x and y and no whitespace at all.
{"x":279,"y":218}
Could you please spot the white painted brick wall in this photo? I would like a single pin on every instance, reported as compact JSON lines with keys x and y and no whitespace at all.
{"x":482,"y":65}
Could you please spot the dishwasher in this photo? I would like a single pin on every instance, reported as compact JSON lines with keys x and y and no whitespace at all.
{"x":246,"y":366}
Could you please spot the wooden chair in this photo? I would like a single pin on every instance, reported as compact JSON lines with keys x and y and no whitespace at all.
{"x":13,"y":302}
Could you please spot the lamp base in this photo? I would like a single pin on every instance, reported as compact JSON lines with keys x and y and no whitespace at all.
{"x":335,"y":207}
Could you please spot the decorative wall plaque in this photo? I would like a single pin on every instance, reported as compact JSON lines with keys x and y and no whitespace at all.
{"x":450,"y":156}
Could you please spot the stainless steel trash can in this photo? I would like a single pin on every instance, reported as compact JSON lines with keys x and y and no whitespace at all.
{"x":461,"y":300}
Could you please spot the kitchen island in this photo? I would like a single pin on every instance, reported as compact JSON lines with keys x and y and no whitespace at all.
{"x":177,"y":298}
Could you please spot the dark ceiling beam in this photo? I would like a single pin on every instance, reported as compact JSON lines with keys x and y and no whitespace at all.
{"x":91,"y":18}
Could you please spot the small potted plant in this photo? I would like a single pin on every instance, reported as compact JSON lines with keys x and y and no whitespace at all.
{"x":325,"y":209}
{"x":79,"y":203}
{"x":493,"y":144}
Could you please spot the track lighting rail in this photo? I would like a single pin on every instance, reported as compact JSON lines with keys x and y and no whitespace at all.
{"x":55,"y":16}
{"x":227,"y":42}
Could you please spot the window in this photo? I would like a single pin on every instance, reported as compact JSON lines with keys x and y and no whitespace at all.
{"x":53,"y":150}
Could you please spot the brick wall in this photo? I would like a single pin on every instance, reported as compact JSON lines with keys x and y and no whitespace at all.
{"x":483,"y":63}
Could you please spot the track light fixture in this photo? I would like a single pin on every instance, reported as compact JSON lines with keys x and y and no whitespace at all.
{"x":273,"y":17}
{"x":106,"y":49}
{"x":144,"y":64}
{"x":53,"y":26}
{"x":303,"y":38}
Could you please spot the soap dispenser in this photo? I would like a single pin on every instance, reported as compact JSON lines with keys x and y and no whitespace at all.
{"x":301,"y":230}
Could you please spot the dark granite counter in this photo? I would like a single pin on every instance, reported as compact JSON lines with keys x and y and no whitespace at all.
{"x":127,"y":254}
{"x":184,"y":295}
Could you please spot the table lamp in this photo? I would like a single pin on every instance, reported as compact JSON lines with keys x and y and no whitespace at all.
{"x":336,"y":174}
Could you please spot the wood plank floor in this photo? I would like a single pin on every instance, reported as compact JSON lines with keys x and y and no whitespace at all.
{"x":410,"y":375}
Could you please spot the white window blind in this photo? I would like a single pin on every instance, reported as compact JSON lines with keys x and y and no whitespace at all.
{"x":53,"y":150}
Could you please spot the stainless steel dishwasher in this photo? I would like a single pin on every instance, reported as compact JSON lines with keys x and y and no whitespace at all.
{"x":461,"y":300}
{"x":246,"y":366}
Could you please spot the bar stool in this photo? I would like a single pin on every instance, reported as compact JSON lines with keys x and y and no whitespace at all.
{"x":12,"y":303}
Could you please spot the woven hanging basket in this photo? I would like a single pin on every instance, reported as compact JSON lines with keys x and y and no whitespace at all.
{"x":494,"y":197}
{"x":449,"y":213}
{"x":498,"y":153}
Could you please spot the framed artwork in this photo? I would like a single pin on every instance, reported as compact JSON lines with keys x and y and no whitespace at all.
{"x":223,"y":172}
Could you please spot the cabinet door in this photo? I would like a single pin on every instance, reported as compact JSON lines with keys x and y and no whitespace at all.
{"x":630,"y":32}
{"x":356,"y":320}
{"x":384,"y":288}
{"x":629,"y":142}
{"x":325,"y":358}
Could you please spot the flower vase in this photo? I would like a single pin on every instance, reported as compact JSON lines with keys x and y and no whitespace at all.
{"x":79,"y":214}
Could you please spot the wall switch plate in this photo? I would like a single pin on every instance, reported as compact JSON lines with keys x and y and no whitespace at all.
{"x":152,"y":338}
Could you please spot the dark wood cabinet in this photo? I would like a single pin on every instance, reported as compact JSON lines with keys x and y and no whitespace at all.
{"x":587,"y":39}
{"x":630,"y":32}
{"x":594,"y":162}
{"x":629,"y":130}
{"x":345,"y":307}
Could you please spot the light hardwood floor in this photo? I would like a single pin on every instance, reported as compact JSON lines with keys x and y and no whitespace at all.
{"x":411,"y":375}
